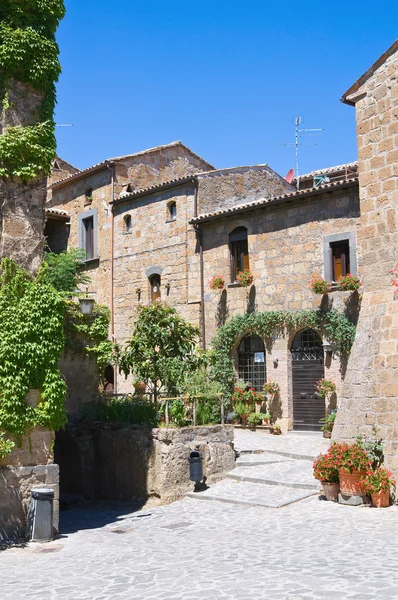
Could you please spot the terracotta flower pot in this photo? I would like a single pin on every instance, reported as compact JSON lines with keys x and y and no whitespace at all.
{"x":381,"y":499}
{"x":350,"y":483}
{"x":327,"y":434}
{"x":331,"y":490}
{"x":140,"y":387}
{"x":243,"y":419}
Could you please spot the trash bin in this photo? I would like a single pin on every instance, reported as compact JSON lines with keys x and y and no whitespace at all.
{"x":42,"y":500}
{"x":195,"y":466}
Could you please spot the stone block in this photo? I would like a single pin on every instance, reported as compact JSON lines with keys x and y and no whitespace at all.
{"x":354,"y":500}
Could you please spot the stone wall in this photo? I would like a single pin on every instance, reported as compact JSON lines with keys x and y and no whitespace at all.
{"x":126,"y":462}
{"x":370,"y":394}
{"x":225,"y":188}
{"x":28,"y":466}
{"x":22,"y":204}
{"x":81,"y":374}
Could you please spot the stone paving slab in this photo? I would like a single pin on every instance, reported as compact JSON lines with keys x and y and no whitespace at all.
{"x":248,"y":493}
{"x":292,"y":444}
{"x":290,"y":473}
{"x":310,"y":550}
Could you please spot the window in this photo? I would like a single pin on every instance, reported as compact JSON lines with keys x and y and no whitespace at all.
{"x":154,"y":280}
{"x":87,"y":233}
{"x":172,"y":210}
{"x":88,"y":196}
{"x":88,"y":225}
{"x":251,"y":361}
{"x":340,"y":252}
{"x":127,"y":224}
{"x":239,"y":251}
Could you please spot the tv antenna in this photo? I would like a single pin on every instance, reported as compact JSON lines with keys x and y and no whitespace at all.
{"x":298,"y":134}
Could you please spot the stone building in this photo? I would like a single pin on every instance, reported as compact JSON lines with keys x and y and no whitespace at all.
{"x":167,"y":238}
{"x":370,"y":392}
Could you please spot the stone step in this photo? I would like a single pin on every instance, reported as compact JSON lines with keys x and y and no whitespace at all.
{"x":293,"y":455}
{"x":245,"y":493}
{"x":287,"y":473}
{"x":272,"y":482}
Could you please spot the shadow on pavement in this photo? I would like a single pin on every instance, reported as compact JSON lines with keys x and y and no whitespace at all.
{"x":96,"y":515}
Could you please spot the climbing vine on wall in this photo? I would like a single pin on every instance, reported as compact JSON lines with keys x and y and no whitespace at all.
{"x":31,"y":342}
{"x":333,"y":324}
{"x":29,"y":55}
{"x":89,"y":333}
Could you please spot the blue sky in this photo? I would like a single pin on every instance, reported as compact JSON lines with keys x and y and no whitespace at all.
{"x":226,"y":78}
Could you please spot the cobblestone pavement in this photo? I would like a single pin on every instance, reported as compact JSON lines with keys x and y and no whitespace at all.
{"x":198,"y":550}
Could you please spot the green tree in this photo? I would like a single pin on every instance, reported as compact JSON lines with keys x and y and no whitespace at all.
{"x":161,"y":350}
{"x":65,"y":270}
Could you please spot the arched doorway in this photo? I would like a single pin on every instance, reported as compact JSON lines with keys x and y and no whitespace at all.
{"x":307,"y":369}
{"x":251,"y":361}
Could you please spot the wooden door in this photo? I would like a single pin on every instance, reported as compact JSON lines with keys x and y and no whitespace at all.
{"x":307,"y":369}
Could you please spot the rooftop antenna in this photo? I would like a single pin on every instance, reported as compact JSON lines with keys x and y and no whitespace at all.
{"x":298,"y":134}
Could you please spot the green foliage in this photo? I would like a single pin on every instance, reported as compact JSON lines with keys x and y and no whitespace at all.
{"x":42,"y":15}
{"x":373,"y":446}
{"x":161,"y":349}
{"x":29,"y":54}
{"x":334,"y":325}
{"x":89,"y":333}
{"x":257,"y":418}
{"x":207,"y":392}
{"x":127,"y":410}
{"x":6,"y":446}
{"x":328,"y":421}
{"x":65,"y":270}
{"x":31,"y":342}
{"x":27,"y":151}
{"x":177,"y":413}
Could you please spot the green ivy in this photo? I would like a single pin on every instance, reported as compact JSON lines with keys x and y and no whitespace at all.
{"x":89,"y":333}
{"x":29,"y":54}
{"x":31,"y":342}
{"x":333,"y":324}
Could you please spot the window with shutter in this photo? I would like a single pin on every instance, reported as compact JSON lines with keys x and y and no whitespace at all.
{"x":340,"y":252}
{"x":155,"y":287}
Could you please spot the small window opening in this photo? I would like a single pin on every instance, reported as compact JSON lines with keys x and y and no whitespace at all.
{"x":109,"y":379}
{"x":154,"y":280}
{"x":239,"y":251}
{"x":172,"y":211}
{"x":127,"y":224}
{"x":88,"y":195}
{"x":340,"y":252}
{"x":88,"y":225}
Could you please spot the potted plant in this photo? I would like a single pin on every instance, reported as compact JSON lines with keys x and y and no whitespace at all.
{"x":271,"y":388}
{"x":245,"y":278}
{"x":349,"y":283}
{"x":276,"y":429}
{"x":328,"y":423}
{"x":139,"y":386}
{"x":243,"y":411}
{"x":217,"y":283}
{"x":326,"y":472}
{"x":352,"y":463}
{"x":377,"y":484}
{"x":320,"y":286}
{"x":258,"y":418}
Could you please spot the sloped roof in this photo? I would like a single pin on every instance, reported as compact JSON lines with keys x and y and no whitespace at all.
{"x":275,"y":200}
{"x":110,"y":161}
{"x":336,"y":168}
{"x":359,"y":82}
{"x":154,"y":188}
{"x":57,"y":212}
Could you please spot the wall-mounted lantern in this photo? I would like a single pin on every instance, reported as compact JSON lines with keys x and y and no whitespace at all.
{"x":167,"y":286}
{"x":327,"y":347}
{"x":138,"y":294}
{"x":86,"y":304}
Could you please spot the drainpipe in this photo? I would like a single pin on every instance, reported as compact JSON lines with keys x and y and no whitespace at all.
{"x":202,"y":283}
{"x":111,"y":167}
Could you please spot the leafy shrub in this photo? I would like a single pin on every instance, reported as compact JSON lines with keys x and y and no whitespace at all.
{"x":121,"y":410}
{"x":65,"y":270}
